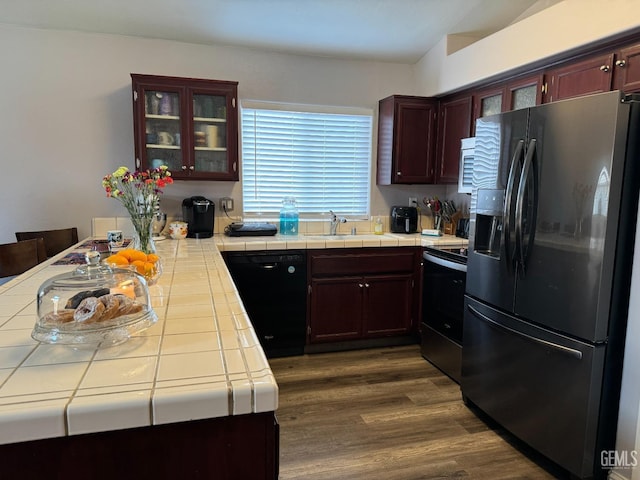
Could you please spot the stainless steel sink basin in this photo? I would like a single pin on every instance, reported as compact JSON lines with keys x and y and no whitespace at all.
{"x":342,"y":236}
{"x":326,"y":236}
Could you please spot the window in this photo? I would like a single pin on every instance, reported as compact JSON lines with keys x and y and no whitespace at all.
{"x":319,"y":155}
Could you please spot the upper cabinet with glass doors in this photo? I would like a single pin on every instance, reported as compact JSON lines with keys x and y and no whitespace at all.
{"x":189,"y":125}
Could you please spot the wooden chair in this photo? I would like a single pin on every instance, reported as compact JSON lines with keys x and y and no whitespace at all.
{"x":16,"y":258}
{"x":54,"y":240}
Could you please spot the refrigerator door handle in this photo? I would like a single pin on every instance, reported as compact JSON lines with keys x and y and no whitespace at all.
{"x":577,"y":354}
{"x":524,"y":179}
{"x":510,"y":252}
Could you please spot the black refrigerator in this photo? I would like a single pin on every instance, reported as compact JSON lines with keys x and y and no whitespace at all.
{"x":554,"y":202}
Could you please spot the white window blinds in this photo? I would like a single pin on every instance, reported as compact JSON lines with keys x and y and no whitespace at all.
{"x":320,"y":157}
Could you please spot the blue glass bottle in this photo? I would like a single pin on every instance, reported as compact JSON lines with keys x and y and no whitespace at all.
{"x":289,"y":217}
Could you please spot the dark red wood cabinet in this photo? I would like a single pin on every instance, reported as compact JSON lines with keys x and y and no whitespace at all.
{"x":613,"y":70}
{"x":516,"y":93}
{"x":237,"y":447}
{"x":626,"y":74}
{"x":406,"y":124}
{"x":190,"y":125}
{"x":454,"y":124}
{"x":360,"y":294}
{"x":406,"y":140}
{"x":585,"y":77}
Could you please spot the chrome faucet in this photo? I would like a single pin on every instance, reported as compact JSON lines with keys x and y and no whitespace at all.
{"x":334,"y":223}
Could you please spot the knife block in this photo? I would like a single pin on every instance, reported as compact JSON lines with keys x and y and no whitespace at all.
{"x":450,"y":227}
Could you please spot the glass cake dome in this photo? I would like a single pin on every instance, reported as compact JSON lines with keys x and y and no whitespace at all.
{"x":94,"y":304}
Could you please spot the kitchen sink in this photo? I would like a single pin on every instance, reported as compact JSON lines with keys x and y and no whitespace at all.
{"x":326,"y":236}
{"x":342,"y":236}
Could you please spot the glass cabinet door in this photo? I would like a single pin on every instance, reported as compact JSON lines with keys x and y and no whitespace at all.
{"x":486,"y":102}
{"x":525,"y":92}
{"x":210,"y":133}
{"x":524,"y":97}
{"x":491,"y":105}
{"x":163,"y":132}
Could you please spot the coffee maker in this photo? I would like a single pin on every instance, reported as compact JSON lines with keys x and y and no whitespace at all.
{"x":198,"y":213}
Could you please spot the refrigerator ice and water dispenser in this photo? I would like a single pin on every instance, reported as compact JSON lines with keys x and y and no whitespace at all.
{"x":489,"y":219}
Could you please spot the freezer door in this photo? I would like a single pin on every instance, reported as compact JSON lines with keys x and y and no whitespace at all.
{"x":499,"y":155}
{"x":569,"y":238}
{"x":542,"y":387}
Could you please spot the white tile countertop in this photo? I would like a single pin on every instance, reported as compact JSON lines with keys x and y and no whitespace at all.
{"x":312,"y":241}
{"x":200,"y":360}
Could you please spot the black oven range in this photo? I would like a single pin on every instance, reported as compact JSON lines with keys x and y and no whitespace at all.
{"x":444,"y":280}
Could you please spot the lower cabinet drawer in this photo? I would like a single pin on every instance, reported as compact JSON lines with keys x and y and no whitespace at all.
{"x":360,"y":263}
{"x":441,"y":351}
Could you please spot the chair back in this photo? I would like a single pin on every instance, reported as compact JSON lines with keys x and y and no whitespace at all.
{"x":54,"y":240}
{"x":16,"y":258}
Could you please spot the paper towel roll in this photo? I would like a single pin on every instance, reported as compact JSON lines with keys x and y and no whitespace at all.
{"x":212,"y":135}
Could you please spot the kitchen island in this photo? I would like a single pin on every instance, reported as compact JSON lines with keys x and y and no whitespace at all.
{"x":191,"y":397}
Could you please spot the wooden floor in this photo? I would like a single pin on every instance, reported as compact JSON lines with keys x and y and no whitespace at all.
{"x":386,"y":414}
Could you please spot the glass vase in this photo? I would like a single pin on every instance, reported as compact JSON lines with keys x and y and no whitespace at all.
{"x":143,"y":233}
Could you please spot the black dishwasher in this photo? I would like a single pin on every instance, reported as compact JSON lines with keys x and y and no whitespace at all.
{"x":273,"y":287}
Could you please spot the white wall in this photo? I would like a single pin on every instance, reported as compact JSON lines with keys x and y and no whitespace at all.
{"x":560,"y":28}
{"x":65,"y":101}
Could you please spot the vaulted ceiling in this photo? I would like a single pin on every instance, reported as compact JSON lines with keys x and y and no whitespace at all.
{"x":383,"y":30}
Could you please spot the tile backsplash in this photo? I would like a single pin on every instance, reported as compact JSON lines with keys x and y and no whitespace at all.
{"x":100,"y":225}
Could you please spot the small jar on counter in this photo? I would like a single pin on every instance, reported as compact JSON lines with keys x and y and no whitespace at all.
{"x":289,"y":217}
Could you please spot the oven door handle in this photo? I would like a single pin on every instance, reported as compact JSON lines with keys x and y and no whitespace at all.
{"x":444,"y":263}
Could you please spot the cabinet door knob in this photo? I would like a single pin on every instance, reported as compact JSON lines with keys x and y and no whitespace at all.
{"x":367,"y":285}
{"x":184,"y":167}
{"x":192,"y":167}
{"x":398,"y":173}
{"x":361,"y":285}
{"x":604,"y":68}
{"x":620,"y":63}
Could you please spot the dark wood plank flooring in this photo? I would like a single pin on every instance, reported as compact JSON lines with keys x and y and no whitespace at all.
{"x":387,"y":414}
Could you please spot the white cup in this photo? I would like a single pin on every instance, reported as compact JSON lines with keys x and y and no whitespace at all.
{"x":115,"y":238}
{"x":178,"y":230}
{"x":165,"y":138}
